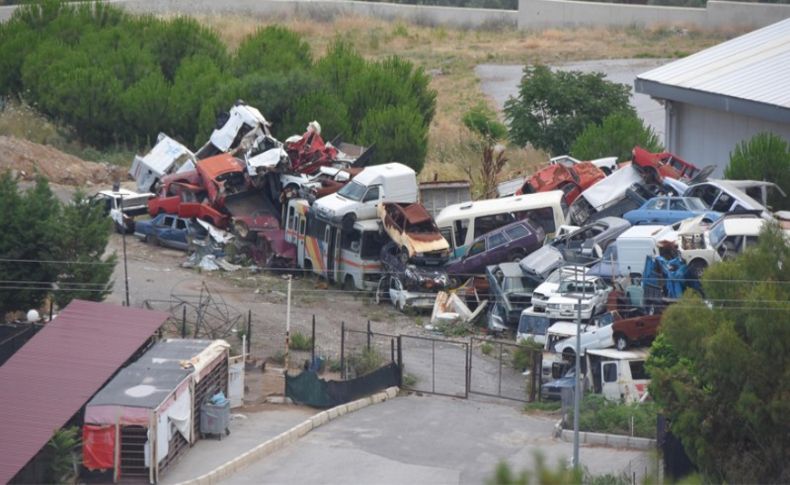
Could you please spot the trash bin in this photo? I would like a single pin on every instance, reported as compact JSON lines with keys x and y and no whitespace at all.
{"x":215,"y":418}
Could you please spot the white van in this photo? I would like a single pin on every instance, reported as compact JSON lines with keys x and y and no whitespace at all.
{"x":391,"y":182}
{"x":638,"y":242}
{"x":166,"y":157}
{"x":618,"y":375}
{"x":462,"y":223}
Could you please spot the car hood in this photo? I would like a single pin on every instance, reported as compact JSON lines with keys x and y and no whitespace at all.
{"x":542,"y":262}
{"x":334,"y":204}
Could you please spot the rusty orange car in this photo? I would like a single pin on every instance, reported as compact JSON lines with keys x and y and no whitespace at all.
{"x":414,"y":230}
{"x":571,"y":180}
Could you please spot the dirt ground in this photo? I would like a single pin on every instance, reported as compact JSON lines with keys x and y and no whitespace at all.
{"x":28,"y":159}
{"x":156,"y":277}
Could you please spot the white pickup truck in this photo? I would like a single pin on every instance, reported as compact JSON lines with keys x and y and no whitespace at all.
{"x":134,"y":204}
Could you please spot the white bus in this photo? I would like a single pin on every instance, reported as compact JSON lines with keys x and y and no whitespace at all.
{"x":350,"y":258}
{"x":460,"y":224}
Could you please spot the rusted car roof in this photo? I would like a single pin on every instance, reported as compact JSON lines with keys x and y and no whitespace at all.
{"x":215,"y":166}
{"x":416,"y":214}
{"x":49,"y":379}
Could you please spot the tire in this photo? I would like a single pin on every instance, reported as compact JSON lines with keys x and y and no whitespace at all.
{"x":696,"y":268}
{"x":516,"y":255}
{"x":404,"y":255}
{"x":348,"y":221}
{"x":348,"y":284}
{"x":620,"y":342}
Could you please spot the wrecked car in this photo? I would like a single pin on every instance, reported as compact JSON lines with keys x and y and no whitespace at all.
{"x":511,"y":291}
{"x":591,"y":292}
{"x":508,"y":243}
{"x":413,"y":229}
{"x":390,"y":182}
{"x":408,"y":285}
{"x":657,"y":166}
{"x":391,"y":288}
{"x":592,"y":239}
{"x":597,"y":334}
{"x":551,"y":285}
{"x":629,"y":330}
{"x":729,"y":195}
{"x":232,"y":126}
{"x":532,"y":325}
{"x":571,"y":180}
{"x":669,"y":210}
{"x":169,"y":230}
{"x":166,"y":157}
{"x":122,"y":206}
{"x":606,"y":164}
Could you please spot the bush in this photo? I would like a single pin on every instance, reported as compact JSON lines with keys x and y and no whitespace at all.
{"x":616,"y":136}
{"x":272,"y":49}
{"x":365,"y":362}
{"x":599,"y":415}
{"x":553,"y":108}
{"x":524,"y":354}
{"x":765,"y":157}
{"x":486,"y":348}
{"x":398,"y":134}
{"x":300,"y":341}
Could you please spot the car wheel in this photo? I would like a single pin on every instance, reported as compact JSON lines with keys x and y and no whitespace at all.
{"x":146,"y":239}
{"x":620,"y":342}
{"x":348,"y":221}
{"x":696,"y":268}
{"x":516,"y":255}
{"x":348,"y":284}
{"x":404,"y":255}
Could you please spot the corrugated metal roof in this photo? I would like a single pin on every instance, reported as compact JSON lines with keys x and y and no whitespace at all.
{"x":753,"y":67}
{"x":49,"y":379}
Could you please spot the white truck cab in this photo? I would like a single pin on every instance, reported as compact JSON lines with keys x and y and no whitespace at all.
{"x":618,"y":375}
{"x":358,"y":200}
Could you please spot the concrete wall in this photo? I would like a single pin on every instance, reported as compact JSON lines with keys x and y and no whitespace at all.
{"x":322,"y":10}
{"x":539,"y":14}
{"x":706,"y":137}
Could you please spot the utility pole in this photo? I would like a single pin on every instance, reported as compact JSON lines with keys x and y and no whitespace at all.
{"x":577,"y":392}
{"x":288,"y":324}
{"x":125,"y":267}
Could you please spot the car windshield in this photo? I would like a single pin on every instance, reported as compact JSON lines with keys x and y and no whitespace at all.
{"x":534,"y":324}
{"x":353,"y":190}
{"x":717,"y":235}
{"x":514,"y":284}
{"x":695,"y":204}
{"x":571,"y":286}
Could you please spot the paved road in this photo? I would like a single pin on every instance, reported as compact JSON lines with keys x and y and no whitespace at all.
{"x":429,"y":439}
{"x":501,"y":82}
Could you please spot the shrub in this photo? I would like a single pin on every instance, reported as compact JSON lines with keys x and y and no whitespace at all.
{"x":616,"y":136}
{"x":365,"y":362}
{"x":765,"y":157}
{"x":597,"y":414}
{"x":327,"y":108}
{"x":272,"y":49}
{"x":553,"y":108}
{"x":300,"y":341}
{"x":398,"y":134}
{"x":524,"y":354}
{"x":486,"y":348}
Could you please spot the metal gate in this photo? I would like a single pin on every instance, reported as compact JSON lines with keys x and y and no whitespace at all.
{"x":504,"y":370}
{"x":435,"y":366}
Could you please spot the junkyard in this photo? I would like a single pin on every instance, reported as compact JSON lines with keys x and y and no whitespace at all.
{"x":574,"y":286}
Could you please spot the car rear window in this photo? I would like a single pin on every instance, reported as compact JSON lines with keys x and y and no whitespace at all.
{"x":496,"y":240}
{"x":518,"y":231}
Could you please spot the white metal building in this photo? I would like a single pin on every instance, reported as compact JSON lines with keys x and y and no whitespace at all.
{"x":723,"y":95}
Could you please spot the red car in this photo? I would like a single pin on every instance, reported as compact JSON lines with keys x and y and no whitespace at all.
{"x":571,"y":180}
{"x":666,"y":164}
{"x":634,"y":330}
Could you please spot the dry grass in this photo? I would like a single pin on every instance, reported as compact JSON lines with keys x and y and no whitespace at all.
{"x":450,"y":55}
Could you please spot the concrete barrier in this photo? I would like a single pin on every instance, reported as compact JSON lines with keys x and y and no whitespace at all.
{"x":281,"y":440}
{"x":541,"y":14}
{"x":613,"y":440}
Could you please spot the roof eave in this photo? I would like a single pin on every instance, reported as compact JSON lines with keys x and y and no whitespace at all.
{"x":718,"y":102}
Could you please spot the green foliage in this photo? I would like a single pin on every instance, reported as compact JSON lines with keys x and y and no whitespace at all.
{"x":599,"y":415}
{"x":121,"y":79}
{"x":36,"y":228}
{"x":543,"y":406}
{"x":272,"y":49}
{"x":300,"y":341}
{"x":525,"y":354}
{"x":541,"y":475}
{"x":65,"y":446}
{"x":409,"y":380}
{"x":483,"y":122}
{"x":398,"y":133}
{"x":765,"y":157}
{"x":553,"y":108}
{"x":617,"y":135}
{"x":486,"y":348}
{"x":720,"y":369}
{"x":83,"y":231}
{"x":366,"y":361}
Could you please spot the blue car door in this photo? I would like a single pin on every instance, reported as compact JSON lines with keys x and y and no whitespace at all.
{"x":180,"y":234}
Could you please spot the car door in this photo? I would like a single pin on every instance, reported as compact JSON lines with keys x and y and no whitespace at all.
{"x":179,"y":239}
{"x":496,"y":248}
{"x":677,"y":211}
{"x":369,"y":202}
{"x":473,"y":262}
{"x":396,"y":292}
{"x":163,"y":228}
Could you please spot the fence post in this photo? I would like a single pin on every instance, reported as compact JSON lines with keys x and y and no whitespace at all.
{"x":249,"y":331}
{"x":499,"y":386}
{"x":184,"y":321}
{"x":343,"y":350}
{"x":400,"y":363}
{"x":312,"y":343}
{"x":369,"y":334}
{"x":433,"y":366}
{"x":392,"y":350}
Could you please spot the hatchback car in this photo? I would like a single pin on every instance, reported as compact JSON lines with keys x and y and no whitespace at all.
{"x":169,"y":230}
